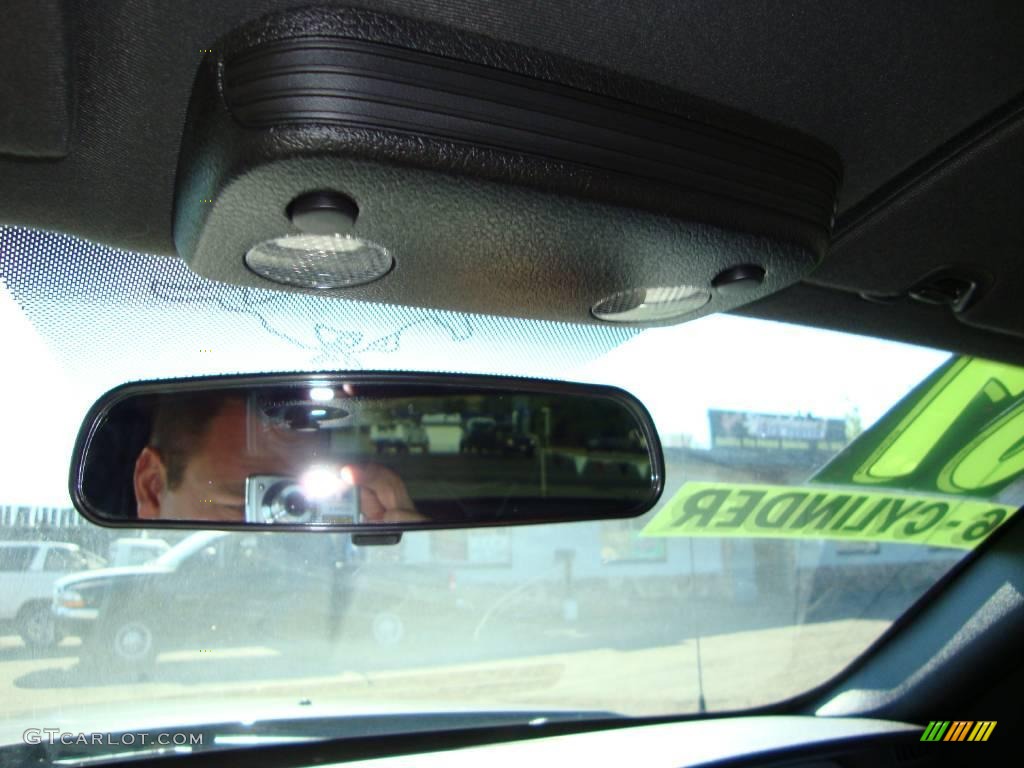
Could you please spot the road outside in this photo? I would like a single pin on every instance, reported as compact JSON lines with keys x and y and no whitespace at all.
{"x":632,"y":671}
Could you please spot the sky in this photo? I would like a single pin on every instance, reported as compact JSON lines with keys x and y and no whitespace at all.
{"x":738,"y":363}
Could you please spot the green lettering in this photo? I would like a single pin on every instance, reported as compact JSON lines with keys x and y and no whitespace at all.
{"x":934,"y":415}
{"x":857,"y":501}
{"x":896,"y":512}
{"x":740,"y":513}
{"x":693,"y":507}
{"x":794,"y":500}
{"x":940,"y":507}
{"x":993,"y":457}
{"x":983,"y":528}
{"x":882,"y":504}
{"x":821,"y":506}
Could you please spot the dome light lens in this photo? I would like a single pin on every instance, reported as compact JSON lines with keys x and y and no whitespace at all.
{"x":642,"y":305}
{"x":319,"y":261}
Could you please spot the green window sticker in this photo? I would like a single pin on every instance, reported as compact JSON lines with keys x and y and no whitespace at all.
{"x":814,"y":512}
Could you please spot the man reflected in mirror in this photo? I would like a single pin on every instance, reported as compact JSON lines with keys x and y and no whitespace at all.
{"x":199,"y":455}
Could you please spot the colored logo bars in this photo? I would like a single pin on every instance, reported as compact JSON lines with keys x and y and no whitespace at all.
{"x":958,"y":730}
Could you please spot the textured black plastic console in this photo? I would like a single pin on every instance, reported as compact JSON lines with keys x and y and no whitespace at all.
{"x":503,"y":180}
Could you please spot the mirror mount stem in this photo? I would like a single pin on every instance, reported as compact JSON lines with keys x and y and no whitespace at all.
{"x":376,"y":539}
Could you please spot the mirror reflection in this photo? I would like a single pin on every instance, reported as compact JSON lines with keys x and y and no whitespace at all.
{"x":349,"y":454}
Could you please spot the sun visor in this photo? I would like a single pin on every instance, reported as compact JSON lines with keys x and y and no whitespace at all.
{"x":36,"y":85}
{"x":352,"y":154}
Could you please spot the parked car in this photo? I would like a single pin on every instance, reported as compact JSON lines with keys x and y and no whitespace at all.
{"x":480,"y":435}
{"x":28,"y":571}
{"x":136,"y":551}
{"x":517,"y":443}
{"x":280,"y":589}
{"x":253,"y":578}
{"x":486,"y":435}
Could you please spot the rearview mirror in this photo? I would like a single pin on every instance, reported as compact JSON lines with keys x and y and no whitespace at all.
{"x":384,"y":452}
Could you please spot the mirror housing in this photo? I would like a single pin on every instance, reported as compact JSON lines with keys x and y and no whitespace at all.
{"x":366,"y":453}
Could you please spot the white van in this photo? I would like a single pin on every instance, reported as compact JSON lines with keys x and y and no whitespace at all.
{"x":28,"y":570}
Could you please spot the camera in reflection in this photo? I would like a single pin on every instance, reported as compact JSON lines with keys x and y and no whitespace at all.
{"x":311,"y":500}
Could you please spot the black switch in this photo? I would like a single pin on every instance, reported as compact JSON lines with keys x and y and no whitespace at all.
{"x":738,"y":279}
{"x":323,"y":213}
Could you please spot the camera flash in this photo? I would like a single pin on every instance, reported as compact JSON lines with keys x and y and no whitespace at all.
{"x":321,"y":482}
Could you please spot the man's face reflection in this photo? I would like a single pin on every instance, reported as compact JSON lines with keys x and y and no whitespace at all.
{"x":207,"y":479}
{"x":212,"y":485}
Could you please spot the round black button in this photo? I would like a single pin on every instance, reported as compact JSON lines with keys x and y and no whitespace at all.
{"x":323,"y":213}
{"x":738,"y":279}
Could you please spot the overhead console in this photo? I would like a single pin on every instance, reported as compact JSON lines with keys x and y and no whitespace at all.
{"x":354,"y":154}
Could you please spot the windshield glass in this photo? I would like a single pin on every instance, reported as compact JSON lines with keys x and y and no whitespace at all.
{"x":186,"y":548}
{"x":779,"y":552}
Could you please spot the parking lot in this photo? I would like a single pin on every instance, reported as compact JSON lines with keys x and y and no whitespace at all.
{"x":576,"y":671}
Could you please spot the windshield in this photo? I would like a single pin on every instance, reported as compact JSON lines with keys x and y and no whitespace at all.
{"x":734,"y":592}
